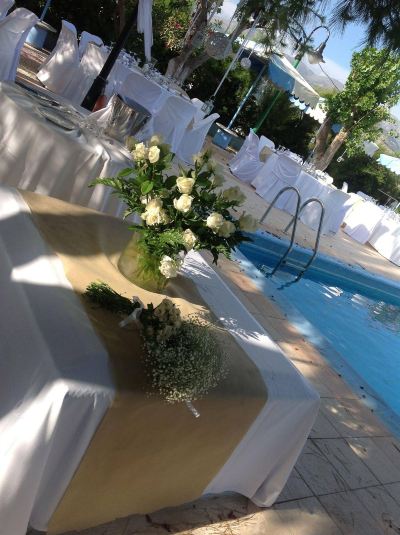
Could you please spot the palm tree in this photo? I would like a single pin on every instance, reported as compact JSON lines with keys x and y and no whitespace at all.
{"x":381,"y":18}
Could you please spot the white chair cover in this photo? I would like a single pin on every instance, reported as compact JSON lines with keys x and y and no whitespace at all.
{"x":362,"y":220}
{"x":144,"y":91}
{"x":89,"y":67}
{"x":87,"y":38}
{"x":265,"y":142}
{"x":63,"y":63}
{"x":246,"y":164}
{"x":170,"y":122}
{"x":345,"y":187}
{"x":5,"y":6}
{"x":193,"y":139}
{"x":278,"y":172}
{"x":13,"y":33}
{"x":199,"y":112}
{"x":386,"y":238}
{"x":337,"y":204}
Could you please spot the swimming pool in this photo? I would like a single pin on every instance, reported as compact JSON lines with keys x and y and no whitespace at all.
{"x":353,"y":317}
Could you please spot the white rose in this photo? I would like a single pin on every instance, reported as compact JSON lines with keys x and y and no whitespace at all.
{"x":234,"y":194}
{"x":226,"y":229}
{"x":154,"y":154}
{"x":214,"y":221}
{"x":139,"y":152}
{"x":154,"y":204}
{"x":198,"y":158}
{"x":185,"y":184}
{"x":155,"y":140}
{"x":184,"y":203}
{"x":248,"y":223}
{"x":189,"y":239}
{"x":168,"y":267}
{"x":152,"y":218}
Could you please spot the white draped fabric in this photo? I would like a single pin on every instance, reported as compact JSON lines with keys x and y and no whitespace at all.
{"x":200,"y":114}
{"x":362,"y":220}
{"x":170,"y":122}
{"x":386,"y":238}
{"x":194,"y":137}
{"x":246,"y":164}
{"x":278,"y":172}
{"x":14,"y":30}
{"x":37,"y":155}
{"x":57,"y":384}
{"x":89,"y":67}
{"x":145,"y":25}
{"x":62,"y":64}
{"x":87,"y":38}
{"x":145,"y":92}
{"x":5,"y":6}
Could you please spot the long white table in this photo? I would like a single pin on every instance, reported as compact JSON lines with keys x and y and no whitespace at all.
{"x":369,"y":223}
{"x":38,"y":155}
{"x":280,"y":171}
{"x":57,"y":383}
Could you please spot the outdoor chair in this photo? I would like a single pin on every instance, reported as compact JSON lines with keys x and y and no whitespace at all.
{"x":87,"y":38}
{"x":246,"y":164}
{"x":143,"y":91}
{"x":199,"y":112}
{"x":63,"y":63}
{"x":5,"y":6}
{"x":194,"y":137}
{"x":14,"y":30}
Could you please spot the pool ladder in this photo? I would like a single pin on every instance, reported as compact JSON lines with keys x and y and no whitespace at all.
{"x":299,"y":208}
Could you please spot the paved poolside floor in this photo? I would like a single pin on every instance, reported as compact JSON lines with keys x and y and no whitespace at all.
{"x":347,"y":480}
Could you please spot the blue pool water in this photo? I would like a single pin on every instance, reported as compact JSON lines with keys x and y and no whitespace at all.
{"x":350,"y":315}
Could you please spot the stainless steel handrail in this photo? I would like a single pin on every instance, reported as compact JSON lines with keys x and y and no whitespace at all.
{"x":316,"y":244}
{"x":295,"y":219}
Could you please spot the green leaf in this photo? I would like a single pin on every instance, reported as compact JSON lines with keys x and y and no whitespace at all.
{"x":146,"y":187}
{"x":125,"y":172}
{"x":170,"y":182}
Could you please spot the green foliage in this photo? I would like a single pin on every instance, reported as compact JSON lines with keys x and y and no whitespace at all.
{"x":379,"y":17}
{"x":105,"y":297}
{"x":364,"y":173}
{"x":372,"y":88}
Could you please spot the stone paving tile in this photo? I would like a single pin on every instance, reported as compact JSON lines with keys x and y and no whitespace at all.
{"x":350,"y":467}
{"x":295,"y":488}
{"x":323,"y":428}
{"x":351,"y":418}
{"x":306,"y":517}
{"x":390,"y":446}
{"x":394,"y":491}
{"x":318,"y":473}
{"x":382,"y":507}
{"x":375,"y":458}
{"x":350,"y":515}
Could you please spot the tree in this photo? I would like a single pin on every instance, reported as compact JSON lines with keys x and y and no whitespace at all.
{"x":275,"y":17}
{"x":362,"y":172}
{"x":380,"y":17}
{"x":372,"y":88}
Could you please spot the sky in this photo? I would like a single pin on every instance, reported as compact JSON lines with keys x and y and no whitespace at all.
{"x":338,"y":51}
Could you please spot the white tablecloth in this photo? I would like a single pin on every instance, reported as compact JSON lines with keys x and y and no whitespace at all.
{"x":280,"y":171}
{"x":57,"y":386}
{"x":386,"y":238}
{"x":362,"y":220}
{"x":37,"y":155}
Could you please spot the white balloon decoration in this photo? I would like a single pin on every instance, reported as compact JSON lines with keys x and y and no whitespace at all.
{"x":245,"y":63}
{"x":218,"y":45}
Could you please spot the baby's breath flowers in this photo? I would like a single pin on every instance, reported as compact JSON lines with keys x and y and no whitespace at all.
{"x":183,"y":357}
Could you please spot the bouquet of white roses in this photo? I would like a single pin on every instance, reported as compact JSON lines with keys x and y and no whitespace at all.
{"x":178,"y":213}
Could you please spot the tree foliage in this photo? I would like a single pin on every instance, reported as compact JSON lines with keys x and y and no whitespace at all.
{"x":371,"y":89}
{"x":381,"y":19}
{"x":364,"y":173}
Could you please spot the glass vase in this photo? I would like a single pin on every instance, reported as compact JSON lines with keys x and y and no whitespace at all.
{"x":141,"y":267}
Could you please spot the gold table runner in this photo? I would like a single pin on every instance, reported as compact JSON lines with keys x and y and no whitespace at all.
{"x":146,"y":454}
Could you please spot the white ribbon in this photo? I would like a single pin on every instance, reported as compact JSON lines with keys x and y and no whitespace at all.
{"x":135,"y":315}
{"x":145,"y":25}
